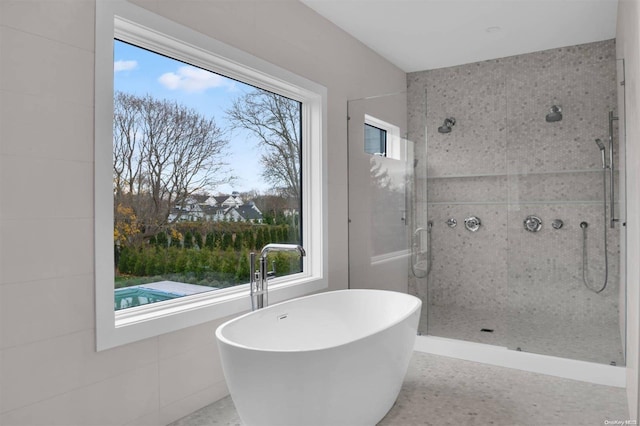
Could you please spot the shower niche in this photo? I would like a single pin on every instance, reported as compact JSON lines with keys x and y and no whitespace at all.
{"x":522,"y":156}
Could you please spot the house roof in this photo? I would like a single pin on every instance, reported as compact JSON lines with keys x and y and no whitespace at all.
{"x":212,"y":210}
{"x":221,"y":198}
{"x":247,"y":211}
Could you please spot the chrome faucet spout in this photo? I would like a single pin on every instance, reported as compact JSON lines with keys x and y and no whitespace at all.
{"x":282,"y":247}
{"x":259,"y":284}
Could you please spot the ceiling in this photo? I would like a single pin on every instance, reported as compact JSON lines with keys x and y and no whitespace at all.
{"x":417,"y":35}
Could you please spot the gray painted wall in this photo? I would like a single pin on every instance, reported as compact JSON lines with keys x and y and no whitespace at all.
{"x":50,"y":373}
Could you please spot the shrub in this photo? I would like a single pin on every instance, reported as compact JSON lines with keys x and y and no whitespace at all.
{"x":197,"y":239}
{"x":237,"y":242}
{"x":210,"y":240}
{"x":188,"y":240}
{"x":242,"y":270}
{"x":227,"y":241}
{"x":249,"y":240}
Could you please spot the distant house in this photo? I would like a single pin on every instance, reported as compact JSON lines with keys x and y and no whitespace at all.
{"x":249,"y":212}
{"x":216,"y":209}
{"x":232,"y":200}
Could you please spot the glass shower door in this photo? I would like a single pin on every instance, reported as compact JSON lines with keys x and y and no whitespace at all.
{"x":557,"y":212}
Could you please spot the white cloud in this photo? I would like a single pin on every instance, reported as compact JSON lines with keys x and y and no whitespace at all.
{"x":191,"y":80}
{"x":124,"y":65}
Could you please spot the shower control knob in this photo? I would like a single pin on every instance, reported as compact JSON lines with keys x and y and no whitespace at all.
{"x":472,"y":223}
{"x":557,"y":224}
{"x":452,"y":222}
{"x":533,"y":223}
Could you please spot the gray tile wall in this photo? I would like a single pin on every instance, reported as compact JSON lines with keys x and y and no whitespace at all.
{"x":502,"y":162}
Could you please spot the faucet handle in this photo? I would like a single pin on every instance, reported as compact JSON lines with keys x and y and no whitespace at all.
{"x":272,"y":272}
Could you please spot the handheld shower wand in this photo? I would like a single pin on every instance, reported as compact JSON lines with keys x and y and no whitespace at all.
{"x":602,"y":152}
{"x":584,"y":226}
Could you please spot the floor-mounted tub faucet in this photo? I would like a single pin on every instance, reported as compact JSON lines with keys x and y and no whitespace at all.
{"x":259,"y":284}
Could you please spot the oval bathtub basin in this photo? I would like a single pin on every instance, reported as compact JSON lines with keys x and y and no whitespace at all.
{"x":335,"y":358}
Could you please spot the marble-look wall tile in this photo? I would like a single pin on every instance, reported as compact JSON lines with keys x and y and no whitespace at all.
{"x":579,"y":186}
{"x":545,"y":267}
{"x":469,"y":269}
{"x":475,"y":96}
{"x":468,"y":189}
{"x":586,"y":92}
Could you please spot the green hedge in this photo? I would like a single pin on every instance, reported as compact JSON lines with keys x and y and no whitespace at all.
{"x":216,"y":256}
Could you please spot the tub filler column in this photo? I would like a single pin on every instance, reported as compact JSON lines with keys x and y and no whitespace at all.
{"x":256,"y":293}
{"x":259,"y":284}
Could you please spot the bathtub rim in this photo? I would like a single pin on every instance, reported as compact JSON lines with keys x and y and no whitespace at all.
{"x":222,"y":339}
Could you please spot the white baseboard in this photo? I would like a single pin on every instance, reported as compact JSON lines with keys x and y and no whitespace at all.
{"x":503,"y":357}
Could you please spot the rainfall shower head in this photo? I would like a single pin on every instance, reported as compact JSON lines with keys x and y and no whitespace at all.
{"x":448,"y":124}
{"x":555,"y":114}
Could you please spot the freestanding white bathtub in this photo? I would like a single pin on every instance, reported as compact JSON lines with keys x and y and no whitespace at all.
{"x":335,"y":358}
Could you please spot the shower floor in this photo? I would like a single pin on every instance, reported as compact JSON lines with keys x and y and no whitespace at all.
{"x":593,"y":341}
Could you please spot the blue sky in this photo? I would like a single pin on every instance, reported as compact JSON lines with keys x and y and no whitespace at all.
{"x":141,"y":72}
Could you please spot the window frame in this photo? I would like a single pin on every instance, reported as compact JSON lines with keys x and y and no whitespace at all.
{"x":392,"y":150}
{"x":122,"y":20}
{"x":383,"y":131}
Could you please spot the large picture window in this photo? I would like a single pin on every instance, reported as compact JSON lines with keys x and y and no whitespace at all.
{"x":203,"y":154}
{"x":205,"y":170}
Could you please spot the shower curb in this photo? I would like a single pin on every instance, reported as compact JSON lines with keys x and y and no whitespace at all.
{"x":501,"y":356}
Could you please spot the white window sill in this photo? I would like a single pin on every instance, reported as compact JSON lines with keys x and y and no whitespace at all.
{"x":142,"y":322}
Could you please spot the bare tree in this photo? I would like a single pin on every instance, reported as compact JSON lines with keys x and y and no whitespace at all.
{"x":127,"y":166}
{"x":163,"y":153}
{"x":275,"y":120}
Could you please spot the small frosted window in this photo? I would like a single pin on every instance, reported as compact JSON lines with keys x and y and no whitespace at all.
{"x":375,"y":140}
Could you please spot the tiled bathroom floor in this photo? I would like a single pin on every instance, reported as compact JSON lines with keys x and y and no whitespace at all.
{"x":587,"y":340}
{"x":446,"y":391}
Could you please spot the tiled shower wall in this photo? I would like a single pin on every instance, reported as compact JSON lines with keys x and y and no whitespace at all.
{"x":503,"y":161}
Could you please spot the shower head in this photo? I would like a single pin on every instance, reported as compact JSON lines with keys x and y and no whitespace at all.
{"x":448,"y":124}
{"x":555,"y":114}
{"x":600,"y":144}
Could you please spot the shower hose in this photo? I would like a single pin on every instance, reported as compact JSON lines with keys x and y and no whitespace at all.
{"x":584,"y":226}
{"x":414,"y":250}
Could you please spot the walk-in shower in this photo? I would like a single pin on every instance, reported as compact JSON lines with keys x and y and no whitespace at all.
{"x":529,"y":278}
{"x":483,"y":221}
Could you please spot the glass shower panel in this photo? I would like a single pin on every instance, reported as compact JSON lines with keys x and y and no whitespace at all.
{"x":465,"y":164}
{"x":557,"y":105}
{"x":380,"y":181}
